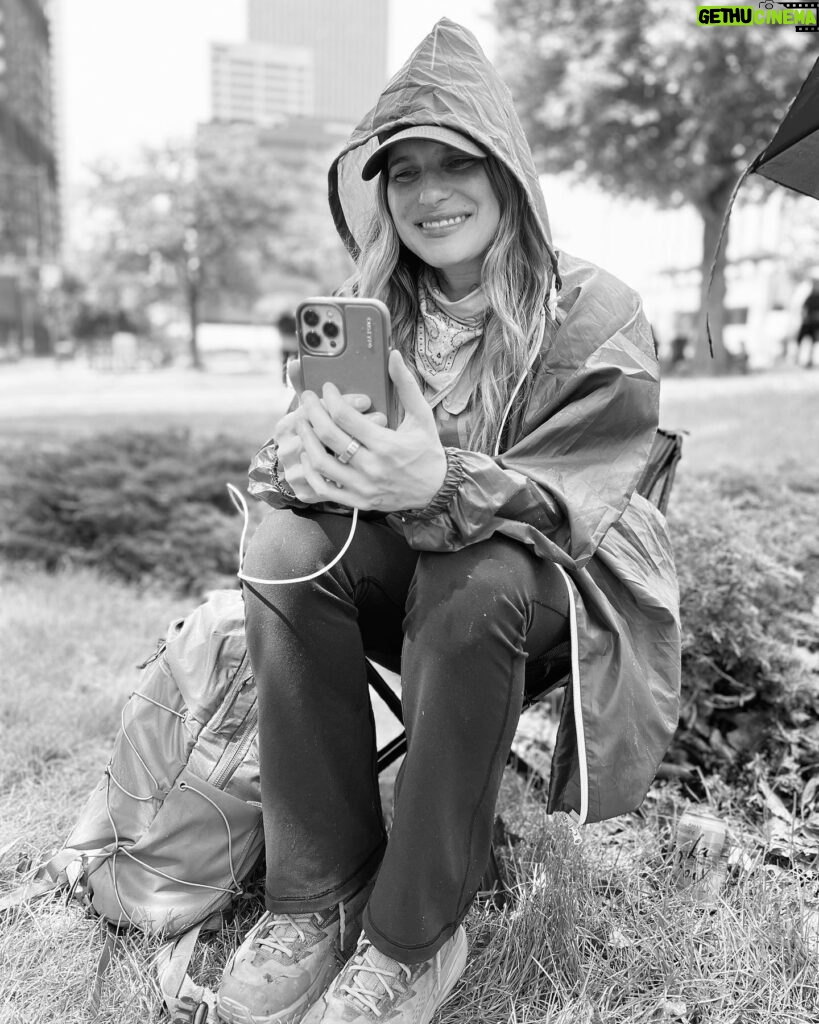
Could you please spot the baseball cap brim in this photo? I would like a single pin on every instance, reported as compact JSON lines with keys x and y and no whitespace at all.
{"x":433,"y":132}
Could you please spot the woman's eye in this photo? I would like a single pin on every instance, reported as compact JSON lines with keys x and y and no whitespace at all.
{"x":461,"y":163}
{"x":404,"y":174}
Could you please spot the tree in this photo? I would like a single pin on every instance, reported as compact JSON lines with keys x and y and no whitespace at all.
{"x":638,"y":97}
{"x":213,"y":219}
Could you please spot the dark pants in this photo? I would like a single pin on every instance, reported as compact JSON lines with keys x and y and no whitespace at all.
{"x":466,"y":629}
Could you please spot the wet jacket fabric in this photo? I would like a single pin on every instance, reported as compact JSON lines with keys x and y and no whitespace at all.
{"x":570,"y":458}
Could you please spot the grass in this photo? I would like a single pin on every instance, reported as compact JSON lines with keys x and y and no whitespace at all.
{"x":596,"y":934}
{"x":759,"y":421}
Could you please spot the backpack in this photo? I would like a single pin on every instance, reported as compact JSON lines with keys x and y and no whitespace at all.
{"x":175,"y":823}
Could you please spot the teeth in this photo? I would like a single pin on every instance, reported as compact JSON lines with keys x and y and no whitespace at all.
{"x":443,"y":223}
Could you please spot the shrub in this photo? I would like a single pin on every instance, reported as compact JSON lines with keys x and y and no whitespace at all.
{"x":139,"y":505}
{"x":745,"y":549}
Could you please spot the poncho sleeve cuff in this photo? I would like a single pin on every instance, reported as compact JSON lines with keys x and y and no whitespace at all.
{"x":455,"y":472}
{"x":264,"y":473}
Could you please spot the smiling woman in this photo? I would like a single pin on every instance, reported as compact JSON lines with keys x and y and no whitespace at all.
{"x":499,"y":525}
{"x":443,"y":207}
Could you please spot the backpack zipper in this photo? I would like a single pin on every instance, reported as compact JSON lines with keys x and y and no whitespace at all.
{"x":239,"y":679}
{"x":236,"y":751}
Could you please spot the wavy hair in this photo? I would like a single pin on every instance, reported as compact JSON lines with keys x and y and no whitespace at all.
{"x":516,"y":276}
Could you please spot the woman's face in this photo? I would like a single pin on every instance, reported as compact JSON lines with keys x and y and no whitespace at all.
{"x":444,"y":208}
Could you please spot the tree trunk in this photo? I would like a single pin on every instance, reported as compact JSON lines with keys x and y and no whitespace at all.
{"x":193,"y":322}
{"x":712,"y":302}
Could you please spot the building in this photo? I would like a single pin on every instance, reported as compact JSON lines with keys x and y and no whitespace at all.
{"x":261,"y":83}
{"x":29,"y":190}
{"x":658,"y":252}
{"x":348,"y":40}
{"x":308,"y":72}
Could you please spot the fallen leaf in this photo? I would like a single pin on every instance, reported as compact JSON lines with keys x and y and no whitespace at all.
{"x":618,"y":940}
{"x":774,"y":803}
{"x":8,"y":847}
{"x":674,"y":1009}
{"x":808,"y":792}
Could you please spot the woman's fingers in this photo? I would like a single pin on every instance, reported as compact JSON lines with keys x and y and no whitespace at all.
{"x":368,"y":429}
{"x":324,"y":423}
{"x":406,"y":386}
{"x":339,"y":493}
{"x":293,"y":371}
{"x":319,"y":458}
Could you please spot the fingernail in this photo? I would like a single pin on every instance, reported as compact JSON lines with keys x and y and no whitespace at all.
{"x":360,"y":402}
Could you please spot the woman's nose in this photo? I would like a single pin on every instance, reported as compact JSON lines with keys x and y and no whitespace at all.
{"x":433,"y":189}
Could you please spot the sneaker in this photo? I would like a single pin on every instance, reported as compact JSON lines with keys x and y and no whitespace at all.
{"x":374,"y":987}
{"x":285,"y":963}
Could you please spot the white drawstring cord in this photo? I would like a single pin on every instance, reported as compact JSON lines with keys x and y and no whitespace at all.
{"x":239,"y":502}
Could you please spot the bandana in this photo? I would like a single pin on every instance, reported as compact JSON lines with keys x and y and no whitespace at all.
{"x":447,"y":334}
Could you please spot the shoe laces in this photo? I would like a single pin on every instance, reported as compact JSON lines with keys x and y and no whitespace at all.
{"x":278,"y":933}
{"x":368,"y":982}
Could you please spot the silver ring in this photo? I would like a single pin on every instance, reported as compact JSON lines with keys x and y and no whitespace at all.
{"x":349,"y":452}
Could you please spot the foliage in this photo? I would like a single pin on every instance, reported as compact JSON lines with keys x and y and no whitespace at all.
{"x":641,"y":99}
{"x":205,"y":223}
{"x":139,"y":505}
{"x":747,"y":551}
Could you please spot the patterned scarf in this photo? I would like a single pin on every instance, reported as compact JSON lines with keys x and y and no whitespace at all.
{"x":447,"y":334}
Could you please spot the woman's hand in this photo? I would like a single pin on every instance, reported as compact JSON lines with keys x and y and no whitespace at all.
{"x":288,"y":432}
{"x":391,"y":470}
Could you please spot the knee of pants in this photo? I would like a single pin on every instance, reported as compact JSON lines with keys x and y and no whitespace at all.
{"x":461,"y":594}
{"x":289,"y":544}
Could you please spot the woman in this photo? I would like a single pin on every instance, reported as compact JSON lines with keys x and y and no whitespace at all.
{"x":498,"y":521}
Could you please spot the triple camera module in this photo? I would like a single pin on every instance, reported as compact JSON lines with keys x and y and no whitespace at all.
{"x":321,"y":330}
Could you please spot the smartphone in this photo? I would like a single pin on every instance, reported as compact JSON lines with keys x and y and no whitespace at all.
{"x":347,"y":341}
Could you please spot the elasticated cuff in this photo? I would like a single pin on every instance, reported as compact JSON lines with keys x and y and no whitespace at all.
{"x":455,"y":473}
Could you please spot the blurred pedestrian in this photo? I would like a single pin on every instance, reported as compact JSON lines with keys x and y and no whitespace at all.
{"x":809,"y":327}
{"x":679,"y":350}
{"x":499,"y":522}
{"x":124,"y":344}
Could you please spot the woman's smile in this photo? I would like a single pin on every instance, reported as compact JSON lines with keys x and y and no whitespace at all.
{"x":442,"y":224}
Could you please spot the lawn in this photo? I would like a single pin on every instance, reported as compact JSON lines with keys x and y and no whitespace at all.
{"x":759,"y":421}
{"x":597,"y":932}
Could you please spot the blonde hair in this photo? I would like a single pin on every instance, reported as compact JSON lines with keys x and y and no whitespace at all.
{"x":516,"y":277}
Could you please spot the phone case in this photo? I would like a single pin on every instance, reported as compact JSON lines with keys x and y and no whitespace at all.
{"x":347,"y":341}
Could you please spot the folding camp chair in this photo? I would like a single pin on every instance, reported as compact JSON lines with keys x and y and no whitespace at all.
{"x":654,"y":485}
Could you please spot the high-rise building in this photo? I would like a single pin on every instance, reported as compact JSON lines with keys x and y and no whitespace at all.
{"x":348,"y":39}
{"x":261,"y":83}
{"x":29,"y":195}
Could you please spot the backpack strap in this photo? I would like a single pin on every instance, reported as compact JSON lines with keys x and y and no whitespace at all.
{"x":26,"y":893}
{"x":187,"y":1002}
{"x":65,"y":870}
{"x":106,"y":954}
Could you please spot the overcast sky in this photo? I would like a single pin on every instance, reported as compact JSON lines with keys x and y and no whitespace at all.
{"x":135,"y":72}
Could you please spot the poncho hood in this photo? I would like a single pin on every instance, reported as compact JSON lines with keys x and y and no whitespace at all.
{"x":446,"y":81}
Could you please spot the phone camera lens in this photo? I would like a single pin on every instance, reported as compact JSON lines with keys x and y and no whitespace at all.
{"x":311,"y":317}
{"x":312,"y":339}
{"x":330,"y":330}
